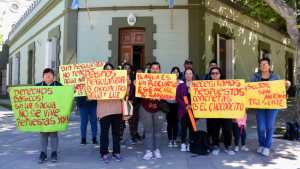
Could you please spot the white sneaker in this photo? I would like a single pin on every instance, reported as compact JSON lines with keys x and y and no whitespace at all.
{"x":170,"y":144}
{"x":188,"y":148}
{"x":215,"y":151}
{"x":236,"y":148}
{"x":157,"y":154}
{"x":175,"y":144}
{"x":244,"y":148}
{"x":266,"y":152}
{"x":183,"y":147}
{"x":229,"y":151}
{"x":148,"y":155}
{"x":259,"y":150}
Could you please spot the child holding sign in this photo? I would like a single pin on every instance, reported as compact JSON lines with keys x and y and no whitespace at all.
{"x":153,"y":120}
{"x":48,"y":80}
{"x":239,"y":133}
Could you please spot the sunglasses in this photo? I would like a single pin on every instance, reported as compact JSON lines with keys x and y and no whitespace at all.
{"x":215,"y":73}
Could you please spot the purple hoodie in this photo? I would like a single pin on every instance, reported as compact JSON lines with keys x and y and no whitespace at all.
{"x":181,"y":91}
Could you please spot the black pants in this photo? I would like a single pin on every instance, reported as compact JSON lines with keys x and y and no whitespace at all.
{"x":172,"y":120}
{"x":209,"y":125}
{"x":226,"y":126}
{"x":114,"y":121}
{"x":239,"y":133}
{"x":186,"y":125}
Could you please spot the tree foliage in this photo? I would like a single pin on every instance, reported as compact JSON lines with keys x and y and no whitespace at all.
{"x":263,"y":12}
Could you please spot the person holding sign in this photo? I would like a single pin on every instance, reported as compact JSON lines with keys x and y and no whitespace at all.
{"x":183,"y":90}
{"x":216,"y":124}
{"x":265,"y":118}
{"x":153,"y":120}
{"x":48,"y":80}
{"x":172,"y":115}
{"x":87,"y":109}
{"x":109,"y":113}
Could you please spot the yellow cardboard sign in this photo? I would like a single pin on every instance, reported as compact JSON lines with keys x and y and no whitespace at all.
{"x":106,"y":84}
{"x":73,"y":75}
{"x":266,"y":95}
{"x":156,"y":86}
{"x":218,"y":98}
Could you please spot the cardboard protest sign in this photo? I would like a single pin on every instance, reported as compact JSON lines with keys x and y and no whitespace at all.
{"x":156,"y":86}
{"x":266,"y":95}
{"x":40,"y":108}
{"x":218,"y":98}
{"x":106,"y":84}
{"x":73,"y":74}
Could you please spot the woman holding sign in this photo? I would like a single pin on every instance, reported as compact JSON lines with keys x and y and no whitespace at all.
{"x":183,"y":90}
{"x":216,"y":124}
{"x":48,"y":80}
{"x":265,"y":118}
{"x":172,"y":115}
{"x":153,"y":120}
{"x":109,"y":112}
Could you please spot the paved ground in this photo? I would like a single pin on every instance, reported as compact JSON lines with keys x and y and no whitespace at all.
{"x":20,"y":151}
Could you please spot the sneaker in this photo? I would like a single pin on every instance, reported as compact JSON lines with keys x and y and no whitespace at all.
{"x":244,"y":148}
{"x":105,"y":158}
{"x":95,"y":141}
{"x":157,"y":154}
{"x":117,"y":157}
{"x":229,"y":151}
{"x":188,"y":147}
{"x":54,"y":157}
{"x":43,"y":157}
{"x":148,"y":155}
{"x":83,"y":141}
{"x":175,"y":144}
{"x":259,"y":150}
{"x":236,"y":148}
{"x":183,"y":147}
{"x":266,"y":152}
{"x":170,"y":144}
{"x":215,"y":151}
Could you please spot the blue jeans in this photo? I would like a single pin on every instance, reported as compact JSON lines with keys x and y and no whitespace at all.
{"x":88,"y":113}
{"x":265,"y":119}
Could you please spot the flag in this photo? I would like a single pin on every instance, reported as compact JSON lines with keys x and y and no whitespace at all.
{"x":171,"y":3}
{"x":74,"y":4}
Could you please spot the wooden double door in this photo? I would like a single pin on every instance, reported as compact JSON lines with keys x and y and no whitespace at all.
{"x":132,"y":46}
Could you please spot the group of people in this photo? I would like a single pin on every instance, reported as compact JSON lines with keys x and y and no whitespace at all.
{"x":148,"y":111}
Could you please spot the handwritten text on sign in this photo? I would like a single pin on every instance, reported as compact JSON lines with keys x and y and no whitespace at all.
{"x":218,"y":98}
{"x":73,"y":74}
{"x":106,"y":84}
{"x":42,"y":109}
{"x":156,"y":86}
{"x":266,"y":95}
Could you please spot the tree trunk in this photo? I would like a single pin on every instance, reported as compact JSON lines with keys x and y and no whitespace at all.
{"x":290,"y":15}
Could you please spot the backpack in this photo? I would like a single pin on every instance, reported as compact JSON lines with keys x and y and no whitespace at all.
{"x":199,"y":143}
{"x":292,"y":131}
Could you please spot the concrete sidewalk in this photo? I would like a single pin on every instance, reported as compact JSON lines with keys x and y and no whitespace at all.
{"x":21,"y":150}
